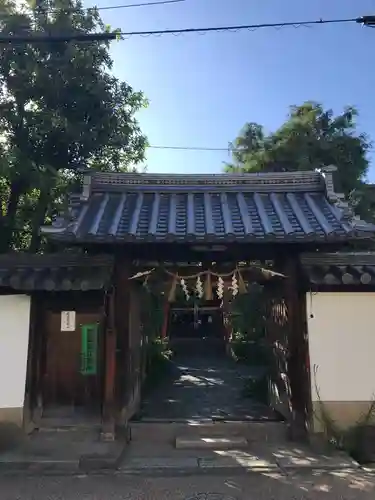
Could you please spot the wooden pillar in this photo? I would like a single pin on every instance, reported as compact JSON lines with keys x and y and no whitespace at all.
{"x":297,"y":373}
{"x":31,"y":374}
{"x":122,"y":321}
{"x":109,"y":407}
{"x":116,"y":347}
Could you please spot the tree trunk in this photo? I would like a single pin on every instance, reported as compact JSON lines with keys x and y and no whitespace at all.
{"x":40,"y":215}
{"x":8,"y":223}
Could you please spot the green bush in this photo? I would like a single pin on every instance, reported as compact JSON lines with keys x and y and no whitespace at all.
{"x":158,"y":357}
{"x":257,"y":388}
{"x":254,"y":353}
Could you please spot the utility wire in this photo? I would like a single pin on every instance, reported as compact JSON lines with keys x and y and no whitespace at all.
{"x":106,"y":7}
{"x":134,"y":5}
{"x":194,"y":148}
{"x":67,"y":10}
{"x":76,"y":37}
{"x":203,"y":148}
{"x":365,"y":21}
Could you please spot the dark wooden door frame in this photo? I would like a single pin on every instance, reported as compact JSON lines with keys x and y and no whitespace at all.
{"x":36,"y":362}
{"x":33,"y":405}
{"x":298,"y":352}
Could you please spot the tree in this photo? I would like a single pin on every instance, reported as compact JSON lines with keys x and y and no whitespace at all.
{"x":61,"y":109}
{"x":310,"y":137}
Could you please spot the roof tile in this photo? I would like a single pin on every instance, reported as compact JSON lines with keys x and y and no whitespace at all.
{"x":252,"y":207}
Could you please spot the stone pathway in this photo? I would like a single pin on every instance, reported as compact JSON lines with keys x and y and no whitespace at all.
{"x":205,"y":388}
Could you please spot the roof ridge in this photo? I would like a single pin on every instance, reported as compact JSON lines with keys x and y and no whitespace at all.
{"x":339,"y":258}
{"x":110,"y":181}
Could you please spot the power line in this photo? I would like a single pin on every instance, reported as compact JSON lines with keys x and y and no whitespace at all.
{"x":76,"y":37}
{"x":99,"y":8}
{"x":194,"y":148}
{"x":134,"y":5}
{"x":204,"y":148}
{"x":364,"y":20}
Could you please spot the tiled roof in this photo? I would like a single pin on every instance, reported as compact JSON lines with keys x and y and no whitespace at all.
{"x":341,"y":268}
{"x":55,"y":272}
{"x":206,"y":208}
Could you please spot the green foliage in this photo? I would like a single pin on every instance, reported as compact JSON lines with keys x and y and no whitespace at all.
{"x":247,"y":314}
{"x":61,"y":108}
{"x":152,"y":314}
{"x":158,"y":356}
{"x":257,"y":389}
{"x":310,"y":138}
{"x":252,"y":352}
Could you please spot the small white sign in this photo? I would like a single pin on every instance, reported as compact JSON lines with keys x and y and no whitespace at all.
{"x":68,"y":321}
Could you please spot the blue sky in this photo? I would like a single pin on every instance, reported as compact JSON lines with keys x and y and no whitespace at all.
{"x":203,"y":88}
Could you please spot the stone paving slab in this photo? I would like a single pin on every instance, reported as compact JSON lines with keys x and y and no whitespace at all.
{"x":248,"y":463}
{"x":67,"y":452}
{"x":159,"y":464}
{"x":300,"y":457}
{"x":211,"y":442}
{"x":317,"y":462}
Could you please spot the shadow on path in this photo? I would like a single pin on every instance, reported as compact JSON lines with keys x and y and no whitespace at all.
{"x":205,"y":388}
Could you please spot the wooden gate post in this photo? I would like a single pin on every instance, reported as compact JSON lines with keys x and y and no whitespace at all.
{"x":296,"y":346}
{"x":109,"y":407}
{"x":116,"y":348}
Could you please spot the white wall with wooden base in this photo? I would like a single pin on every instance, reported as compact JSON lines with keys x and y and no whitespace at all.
{"x":14,"y":341}
{"x":341,"y":331}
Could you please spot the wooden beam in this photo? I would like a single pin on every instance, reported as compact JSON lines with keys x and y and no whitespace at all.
{"x":109,"y":407}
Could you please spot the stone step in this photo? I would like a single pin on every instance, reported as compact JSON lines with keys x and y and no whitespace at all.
{"x":211,"y":443}
{"x":167,"y":432}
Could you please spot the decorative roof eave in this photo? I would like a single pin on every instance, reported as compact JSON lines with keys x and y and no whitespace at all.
{"x":55,"y":272}
{"x":69,"y":235}
{"x":339,"y":258}
{"x":341,"y":268}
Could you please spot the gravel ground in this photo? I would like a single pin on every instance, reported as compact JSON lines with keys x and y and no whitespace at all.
{"x":356,"y":485}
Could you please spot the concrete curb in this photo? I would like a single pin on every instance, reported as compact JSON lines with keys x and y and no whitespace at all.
{"x":190,"y":471}
{"x":28,"y":467}
{"x":157,"y":466}
{"x":83,"y":465}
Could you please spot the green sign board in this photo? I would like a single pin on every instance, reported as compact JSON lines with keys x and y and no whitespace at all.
{"x":89,"y":350}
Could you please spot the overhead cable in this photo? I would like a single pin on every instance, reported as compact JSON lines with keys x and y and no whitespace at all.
{"x":364,"y":20}
{"x":207,"y":148}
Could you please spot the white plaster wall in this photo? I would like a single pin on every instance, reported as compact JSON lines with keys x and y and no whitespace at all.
{"x":342,"y":345}
{"x":14,"y":340}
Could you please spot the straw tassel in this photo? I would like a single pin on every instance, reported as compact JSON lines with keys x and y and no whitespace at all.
{"x":241,"y":283}
{"x":172,"y":291}
{"x":208,"y":287}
